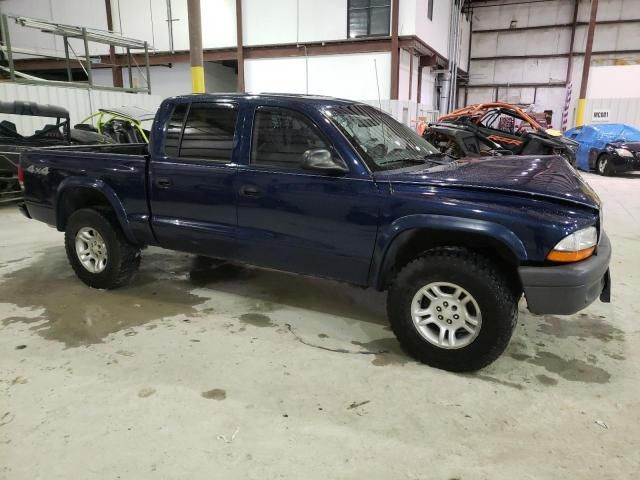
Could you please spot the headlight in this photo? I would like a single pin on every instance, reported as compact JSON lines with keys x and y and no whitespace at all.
{"x":623,"y":152}
{"x":575,"y":247}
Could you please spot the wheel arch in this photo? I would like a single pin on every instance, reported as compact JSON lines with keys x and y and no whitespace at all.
{"x":413,"y":236}
{"x":75,"y":193}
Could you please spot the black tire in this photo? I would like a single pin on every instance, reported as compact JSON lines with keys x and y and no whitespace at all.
{"x":123,"y":258}
{"x":604,"y":166}
{"x":481,"y":278}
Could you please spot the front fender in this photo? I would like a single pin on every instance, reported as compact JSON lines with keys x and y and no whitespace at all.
{"x":100,"y":186}
{"x":391,"y":236}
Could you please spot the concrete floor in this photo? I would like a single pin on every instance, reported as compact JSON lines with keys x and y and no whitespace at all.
{"x":200,"y":372}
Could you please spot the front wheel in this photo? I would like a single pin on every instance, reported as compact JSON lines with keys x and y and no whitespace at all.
{"x":604,"y":165}
{"x":453,"y":309}
{"x":98,"y":251}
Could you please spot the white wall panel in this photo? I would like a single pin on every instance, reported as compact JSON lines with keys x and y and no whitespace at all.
{"x":482,"y":71}
{"x":621,"y":110}
{"x":218,"y":23}
{"x":269,"y":22}
{"x":526,"y":15}
{"x":427,"y":93}
{"x":350,"y":76}
{"x":621,"y":81}
{"x":464,"y":45}
{"x":322,"y":20}
{"x":480,"y":95}
{"x":346,"y":76}
{"x":434,"y":32}
{"x":414,"y":79}
{"x":407,"y":19}
{"x":142,"y":20}
{"x":403,"y":75}
{"x":147,"y":20}
{"x":86,"y":13}
{"x":282,"y":75}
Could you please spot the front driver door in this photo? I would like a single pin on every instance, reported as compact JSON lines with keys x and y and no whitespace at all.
{"x":300,"y":220}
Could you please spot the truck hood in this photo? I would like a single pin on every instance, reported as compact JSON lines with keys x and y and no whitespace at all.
{"x":536,"y":176}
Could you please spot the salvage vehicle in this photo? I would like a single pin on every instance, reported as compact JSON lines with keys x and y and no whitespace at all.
{"x":608,"y":149}
{"x":490,"y":129}
{"x":123,"y":125}
{"x":13,"y":139}
{"x":335,"y":189}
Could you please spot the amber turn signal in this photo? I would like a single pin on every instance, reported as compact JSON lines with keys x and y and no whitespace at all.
{"x":565,"y":257}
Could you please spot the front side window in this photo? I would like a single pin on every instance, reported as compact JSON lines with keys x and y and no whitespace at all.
{"x":430,"y":9}
{"x":368,"y":18}
{"x":282,"y":136}
{"x":383,"y":143}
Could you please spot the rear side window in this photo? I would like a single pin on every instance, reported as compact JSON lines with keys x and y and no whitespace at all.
{"x":209,"y":132}
{"x":174,"y":129}
{"x":281,"y":136}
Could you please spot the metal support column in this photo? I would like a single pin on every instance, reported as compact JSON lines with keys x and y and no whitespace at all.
{"x":195,"y":46}
{"x":7,"y":43}
{"x":116,"y":71}
{"x":146,"y":61}
{"x":129,"y":68}
{"x":67,"y":60}
{"x":395,"y":49}
{"x":87,"y":56}
{"x":576,"y":4}
{"x":587,"y":64}
{"x":240,"y":54}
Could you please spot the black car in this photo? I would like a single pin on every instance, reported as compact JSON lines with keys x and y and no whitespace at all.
{"x":616,"y":157}
{"x":14,"y":139}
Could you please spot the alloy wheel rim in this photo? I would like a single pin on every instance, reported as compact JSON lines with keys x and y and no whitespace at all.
{"x":603,"y":165}
{"x":91,"y":250}
{"x":446,"y":315}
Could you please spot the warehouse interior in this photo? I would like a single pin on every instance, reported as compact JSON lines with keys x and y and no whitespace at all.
{"x":238,"y":236}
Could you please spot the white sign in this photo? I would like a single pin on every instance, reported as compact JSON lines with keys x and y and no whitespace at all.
{"x":600,"y":116}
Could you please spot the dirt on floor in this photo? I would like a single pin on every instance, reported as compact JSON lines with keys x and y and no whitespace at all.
{"x":202,"y":369}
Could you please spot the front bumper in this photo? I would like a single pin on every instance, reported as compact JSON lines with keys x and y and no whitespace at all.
{"x":626,"y":164}
{"x":567,"y":289}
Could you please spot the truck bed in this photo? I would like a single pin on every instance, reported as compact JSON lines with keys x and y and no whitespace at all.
{"x":117,"y":171}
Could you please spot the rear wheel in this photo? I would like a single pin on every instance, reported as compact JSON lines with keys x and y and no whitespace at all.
{"x":98,"y":251}
{"x":453,"y":309}
{"x":604,"y":165}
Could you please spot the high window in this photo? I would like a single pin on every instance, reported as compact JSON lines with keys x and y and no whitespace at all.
{"x":367,"y":18}
{"x":430,"y":9}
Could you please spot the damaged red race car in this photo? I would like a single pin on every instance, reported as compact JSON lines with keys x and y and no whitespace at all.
{"x":496,"y":129}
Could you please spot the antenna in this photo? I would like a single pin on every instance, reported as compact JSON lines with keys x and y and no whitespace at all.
{"x":375,"y":65}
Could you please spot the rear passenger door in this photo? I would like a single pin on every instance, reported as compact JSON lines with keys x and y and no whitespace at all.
{"x":191,"y":185}
{"x":301,"y":220}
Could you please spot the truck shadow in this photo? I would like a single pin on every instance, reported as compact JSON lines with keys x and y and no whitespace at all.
{"x":56,"y":305}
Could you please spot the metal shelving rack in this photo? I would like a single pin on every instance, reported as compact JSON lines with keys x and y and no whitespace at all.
{"x":67,"y":32}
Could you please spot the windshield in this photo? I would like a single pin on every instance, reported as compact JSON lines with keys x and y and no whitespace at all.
{"x":383,"y":143}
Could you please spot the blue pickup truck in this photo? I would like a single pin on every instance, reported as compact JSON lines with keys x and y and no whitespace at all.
{"x":336,"y":189}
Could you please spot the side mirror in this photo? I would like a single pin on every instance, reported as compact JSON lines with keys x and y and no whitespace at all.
{"x":321,"y":160}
